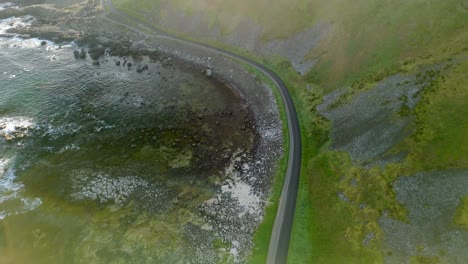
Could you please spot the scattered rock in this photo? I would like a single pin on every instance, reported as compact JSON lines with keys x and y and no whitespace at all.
{"x":209,"y":72}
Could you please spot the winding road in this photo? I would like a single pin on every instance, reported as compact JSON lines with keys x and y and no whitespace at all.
{"x":281,"y":233}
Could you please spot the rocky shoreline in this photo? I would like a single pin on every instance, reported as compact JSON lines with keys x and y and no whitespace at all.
{"x":237,"y":209}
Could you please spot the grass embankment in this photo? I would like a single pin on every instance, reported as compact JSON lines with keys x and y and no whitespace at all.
{"x":371,"y":40}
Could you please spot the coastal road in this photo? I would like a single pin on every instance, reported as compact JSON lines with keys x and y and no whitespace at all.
{"x":281,"y":233}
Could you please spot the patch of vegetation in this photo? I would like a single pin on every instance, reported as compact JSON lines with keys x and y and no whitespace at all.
{"x":404,"y":110}
{"x":424,"y":260}
{"x":441,"y":138}
{"x":461,"y":216}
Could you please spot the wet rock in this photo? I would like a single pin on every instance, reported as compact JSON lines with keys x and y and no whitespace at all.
{"x":76,"y":53}
{"x":117,"y":63}
{"x":43,"y":43}
{"x":96,"y":63}
{"x":129,"y":64}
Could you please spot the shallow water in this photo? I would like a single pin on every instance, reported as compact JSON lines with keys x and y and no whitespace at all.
{"x":101,"y":164}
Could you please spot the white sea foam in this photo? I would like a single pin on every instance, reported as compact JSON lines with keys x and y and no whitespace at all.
{"x":25,"y":43}
{"x":7,"y":5}
{"x":11,"y":201}
{"x":15,"y":22}
{"x":12,"y":125}
{"x":69,"y":147}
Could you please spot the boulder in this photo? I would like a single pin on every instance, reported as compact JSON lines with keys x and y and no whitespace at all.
{"x":82,"y":54}
{"x":96,"y":52}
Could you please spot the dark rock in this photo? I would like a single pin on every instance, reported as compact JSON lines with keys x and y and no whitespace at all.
{"x":43,"y":43}
{"x":129,"y":64}
{"x":96,"y":52}
{"x":82,"y":54}
{"x":117,"y":63}
{"x":96,"y":63}
{"x":76,"y":53}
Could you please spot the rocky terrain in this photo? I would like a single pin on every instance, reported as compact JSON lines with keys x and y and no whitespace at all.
{"x":371,"y":126}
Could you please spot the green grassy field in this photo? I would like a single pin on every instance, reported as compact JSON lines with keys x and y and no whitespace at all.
{"x":369,"y":41}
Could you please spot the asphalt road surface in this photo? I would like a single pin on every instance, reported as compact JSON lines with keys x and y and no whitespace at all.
{"x":281,"y":233}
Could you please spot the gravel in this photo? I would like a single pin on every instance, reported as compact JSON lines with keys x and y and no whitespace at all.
{"x":431,"y":199}
{"x":368,"y":125}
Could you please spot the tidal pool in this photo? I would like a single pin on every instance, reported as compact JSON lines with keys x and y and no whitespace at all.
{"x":102,"y":164}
